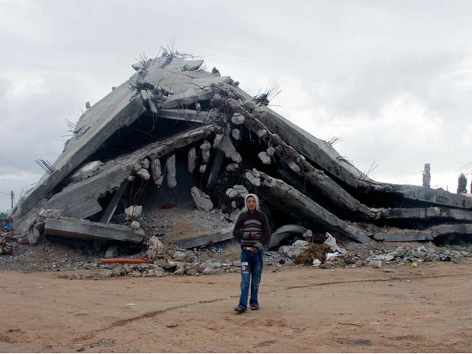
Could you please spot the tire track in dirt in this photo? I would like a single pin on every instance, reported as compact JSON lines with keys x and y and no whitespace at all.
{"x":152,"y":314}
{"x":377,"y":280}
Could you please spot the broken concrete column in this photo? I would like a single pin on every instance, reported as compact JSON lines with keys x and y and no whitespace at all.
{"x":427,"y":175}
{"x":232,"y":167}
{"x":228,"y":148}
{"x":237,"y":190}
{"x":218,"y":139}
{"x":236,"y":134}
{"x":134,"y":212}
{"x":270,"y":151}
{"x":264,"y":157}
{"x":205,"y":147}
{"x":462,"y":184}
{"x":135,"y":225}
{"x":144,"y":174}
{"x":201,"y":199}
{"x":171,"y":172}
{"x":261,"y":133}
{"x":294,"y":167}
{"x":191,"y":160}
{"x":137,"y":166}
{"x":157,"y":174}
{"x":253,"y":178}
{"x":145,"y":163}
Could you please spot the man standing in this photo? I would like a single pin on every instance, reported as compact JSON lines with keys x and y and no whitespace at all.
{"x":252,"y":230}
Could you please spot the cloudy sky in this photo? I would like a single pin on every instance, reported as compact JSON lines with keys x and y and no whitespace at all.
{"x":391,"y":80}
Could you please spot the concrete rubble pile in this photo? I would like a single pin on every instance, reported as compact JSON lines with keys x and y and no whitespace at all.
{"x":176,"y":140}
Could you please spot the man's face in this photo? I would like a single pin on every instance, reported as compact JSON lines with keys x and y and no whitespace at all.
{"x":251,"y":203}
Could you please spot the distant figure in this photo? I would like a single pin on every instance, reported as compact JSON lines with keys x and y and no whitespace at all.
{"x":88,"y":105}
{"x":427,"y":175}
{"x":8,"y":226}
{"x":252,"y":230}
{"x":462,"y":184}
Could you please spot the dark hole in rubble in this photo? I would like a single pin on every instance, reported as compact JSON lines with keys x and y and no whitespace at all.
{"x":97,"y":247}
{"x":204,"y":105}
{"x":249,"y":146}
{"x":384,"y":199}
{"x":147,"y":129}
{"x":453,"y":239}
{"x":155,"y":198}
{"x":170,"y":212}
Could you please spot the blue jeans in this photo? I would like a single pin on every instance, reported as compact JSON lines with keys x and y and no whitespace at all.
{"x":251,"y":273}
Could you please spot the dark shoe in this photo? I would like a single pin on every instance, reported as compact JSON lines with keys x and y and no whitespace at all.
{"x":254,"y":307}
{"x":239,"y":309}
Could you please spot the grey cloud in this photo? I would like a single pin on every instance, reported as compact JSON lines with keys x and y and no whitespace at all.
{"x":344,"y":64}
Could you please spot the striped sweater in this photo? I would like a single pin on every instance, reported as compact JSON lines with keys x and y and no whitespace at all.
{"x":252,"y":229}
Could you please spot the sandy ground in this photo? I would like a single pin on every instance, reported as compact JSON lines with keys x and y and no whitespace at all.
{"x":303,"y":309}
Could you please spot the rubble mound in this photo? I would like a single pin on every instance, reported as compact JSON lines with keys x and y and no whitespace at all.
{"x":172,"y":152}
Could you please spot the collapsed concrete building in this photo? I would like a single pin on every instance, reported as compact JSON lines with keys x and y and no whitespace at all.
{"x":175,"y":134}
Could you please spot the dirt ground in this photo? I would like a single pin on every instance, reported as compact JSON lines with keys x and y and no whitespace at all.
{"x":400,"y":308}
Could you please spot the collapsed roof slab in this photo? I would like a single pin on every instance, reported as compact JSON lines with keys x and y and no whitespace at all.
{"x":120,"y":108}
{"x":322,"y":154}
{"x":87,"y":230}
{"x":424,"y":194}
{"x":425,"y":214}
{"x":187,"y":115}
{"x":80,"y":199}
{"x":429,"y":234}
{"x":278,"y":193}
{"x":324,"y":184}
{"x":316,"y":150}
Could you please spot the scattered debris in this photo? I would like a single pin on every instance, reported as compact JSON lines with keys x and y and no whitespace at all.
{"x":205,"y":136}
{"x":201,"y":199}
{"x":237,"y":191}
{"x":123,"y":261}
{"x":134,"y":212}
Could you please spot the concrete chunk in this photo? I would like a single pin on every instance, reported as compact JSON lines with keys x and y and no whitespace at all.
{"x":202,"y":200}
